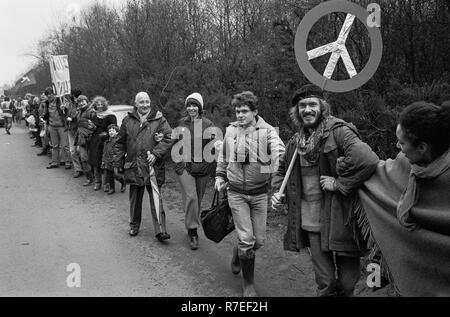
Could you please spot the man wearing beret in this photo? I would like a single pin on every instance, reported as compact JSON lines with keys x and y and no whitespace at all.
{"x":318,"y":196}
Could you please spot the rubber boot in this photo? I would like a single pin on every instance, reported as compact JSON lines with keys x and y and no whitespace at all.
{"x":248,"y":271}
{"x":235,"y":264}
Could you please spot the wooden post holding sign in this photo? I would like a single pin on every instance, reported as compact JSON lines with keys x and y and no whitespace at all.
{"x":288,"y":173}
{"x":59,"y":69}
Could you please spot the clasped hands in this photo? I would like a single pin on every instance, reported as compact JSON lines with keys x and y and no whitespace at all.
{"x":327,"y":183}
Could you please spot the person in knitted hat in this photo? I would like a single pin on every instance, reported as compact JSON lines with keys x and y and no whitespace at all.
{"x":317,"y":195}
{"x":194,"y":172}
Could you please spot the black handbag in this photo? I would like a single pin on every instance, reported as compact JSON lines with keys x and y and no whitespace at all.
{"x":217,"y":222}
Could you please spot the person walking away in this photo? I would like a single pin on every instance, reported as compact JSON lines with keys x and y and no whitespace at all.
{"x":7,"y":114}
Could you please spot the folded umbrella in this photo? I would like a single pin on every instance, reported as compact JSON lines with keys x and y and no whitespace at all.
{"x":156,"y":195}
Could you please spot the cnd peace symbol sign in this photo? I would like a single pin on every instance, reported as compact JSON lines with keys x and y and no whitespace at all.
{"x":337,"y":49}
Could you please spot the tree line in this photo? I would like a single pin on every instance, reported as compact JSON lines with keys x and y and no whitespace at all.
{"x":171,"y":48}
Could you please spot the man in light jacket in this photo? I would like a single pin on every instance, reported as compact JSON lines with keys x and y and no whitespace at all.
{"x":250,"y":153}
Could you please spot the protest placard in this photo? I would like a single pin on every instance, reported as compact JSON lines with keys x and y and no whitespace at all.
{"x":59,"y":69}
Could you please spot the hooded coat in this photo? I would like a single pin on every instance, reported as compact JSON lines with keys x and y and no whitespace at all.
{"x":339,"y":141}
{"x":135,"y":140}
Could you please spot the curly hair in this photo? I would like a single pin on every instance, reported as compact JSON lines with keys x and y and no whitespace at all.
{"x":101,"y":100}
{"x":245,"y":98}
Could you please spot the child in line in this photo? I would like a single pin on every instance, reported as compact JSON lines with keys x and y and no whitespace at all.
{"x":108,"y":161}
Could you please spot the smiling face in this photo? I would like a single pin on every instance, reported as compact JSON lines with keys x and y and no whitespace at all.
{"x":113,"y":133}
{"x":245,"y":116}
{"x":416,"y":154}
{"x":100,"y":106}
{"x":309,"y":112}
{"x":193,"y":110}
{"x":143,"y":105}
{"x":82,"y":104}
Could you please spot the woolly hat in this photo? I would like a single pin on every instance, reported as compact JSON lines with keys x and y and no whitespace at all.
{"x":197,"y":99}
{"x":307,"y":91}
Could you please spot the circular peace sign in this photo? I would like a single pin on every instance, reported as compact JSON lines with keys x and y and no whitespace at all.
{"x":337,"y":49}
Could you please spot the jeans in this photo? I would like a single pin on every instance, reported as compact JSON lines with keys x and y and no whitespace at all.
{"x":136,"y":197}
{"x":192,"y":190}
{"x":76,"y":160}
{"x":250,"y":220}
{"x":84,"y":159}
{"x":327,"y":266}
{"x":60,"y":145}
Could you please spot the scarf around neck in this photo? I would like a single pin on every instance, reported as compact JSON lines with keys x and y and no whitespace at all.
{"x":104,"y":114}
{"x":309,"y":146}
{"x":411,"y":194}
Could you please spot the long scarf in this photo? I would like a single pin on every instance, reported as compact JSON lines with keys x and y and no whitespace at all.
{"x":411,"y":194}
{"x":104,"y":114}
{"x":309,"y":146}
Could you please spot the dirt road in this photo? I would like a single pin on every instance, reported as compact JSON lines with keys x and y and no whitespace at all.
{"x":48,"y":220}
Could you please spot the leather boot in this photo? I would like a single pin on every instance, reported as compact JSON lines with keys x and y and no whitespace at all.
{"x":194,"y":239}
{"x":248,"y":271}
{"x":235,"y":264}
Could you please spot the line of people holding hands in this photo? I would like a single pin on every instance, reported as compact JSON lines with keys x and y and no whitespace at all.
{"x":341,"y":198}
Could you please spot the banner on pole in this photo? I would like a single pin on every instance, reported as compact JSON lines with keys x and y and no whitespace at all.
{"x":59,"y":69}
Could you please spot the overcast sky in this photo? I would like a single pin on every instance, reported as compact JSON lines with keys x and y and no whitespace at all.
{"x":22,"y":24}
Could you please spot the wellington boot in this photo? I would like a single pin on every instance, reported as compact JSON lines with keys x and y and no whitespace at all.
{"x":248,"y":271}
{"x":235,"y":264}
